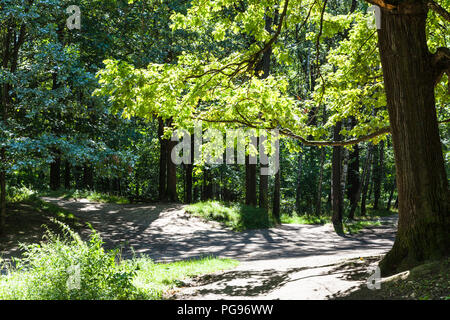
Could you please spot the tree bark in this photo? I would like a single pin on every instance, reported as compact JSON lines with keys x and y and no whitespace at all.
{"x":353,"y":183}
{"x":319,"y":190}
{"x":298,"y":193}
{"x":378,"y":176}
{"x":55,"y":172}
{"x":189,"y":168}
{"x":88,"y":177}
{"x":391,"y":195}
{"x":276,"y":197}
{"x":171,"y":174}
{"x":67,"y":177}
{"x":336,"y":191}
{"x":366,"y":180}
{"x":250,"y":182}
{"x":409,"y":77}
{"x":162,"y":160}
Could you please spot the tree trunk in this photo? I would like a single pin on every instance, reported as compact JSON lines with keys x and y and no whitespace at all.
{"x":298,"y":193}
{"x":2,"y":196}
{"x":378,"y":176}
{"x":353,"y":183}
{"x":409,"y":77}
{"x":336,"y":192}
{"x":171,"y":174}
{"x":88,"y":177}
{"x":319,"y":190}
{"x":366,"y":180}
{"x":162,"y":160}
{"x":188,"y":191}
{"x":55,"y":172}
{"x":276,"y":197}
{"x":391,"y":195}
{"x":250,"y":182}
{"x":67,"y":181}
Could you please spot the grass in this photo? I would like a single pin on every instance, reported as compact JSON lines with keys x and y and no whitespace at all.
{"x":85,"y":194}
{"x":238,"y":217}
{"x":356,"y":226}
{"x":155,"y":280}
{"x":306,"y":219}
{"x":43,"y":273}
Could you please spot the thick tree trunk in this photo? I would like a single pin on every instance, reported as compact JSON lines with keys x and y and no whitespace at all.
{"x":336,"y":191}
{"x":409,"y":77}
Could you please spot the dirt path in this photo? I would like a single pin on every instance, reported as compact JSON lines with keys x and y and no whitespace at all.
{"x":286,"y":262}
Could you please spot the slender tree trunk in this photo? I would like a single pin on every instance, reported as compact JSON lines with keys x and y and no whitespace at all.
{"x":336,"y":191}
{"x":298,"y":193}
{"x":345,"y":155}
{"x":409,"y":78}
{"x":378,"y":175}
{"x":67,"y":181}
{"x":353,"y":185}
{"x":171,"y":174}
{"x":55,"y":172}
{"x":366,"y":180}
{"x":2,"y":196}
{"x":276,"y":197}
{"x":250,"y":182}
{"x":391,"y":195}
{"x":88,"y":177}
{"x":189,"y":168}
{"x":319,"y":187}
{"x":265,"y":68}
{"x":162,"y":161}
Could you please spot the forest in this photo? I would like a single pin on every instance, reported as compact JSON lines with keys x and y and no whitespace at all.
{"x":260,"y":118}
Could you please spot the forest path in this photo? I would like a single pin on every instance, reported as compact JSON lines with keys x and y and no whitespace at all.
{"x":285,"y":262}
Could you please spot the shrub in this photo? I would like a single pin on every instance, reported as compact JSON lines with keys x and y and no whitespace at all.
{"x":48,"y":269}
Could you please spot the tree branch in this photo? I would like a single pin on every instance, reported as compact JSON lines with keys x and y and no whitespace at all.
{"x":441,"y":64}
{"x":382,"y":4}
{"x":436,"y":7}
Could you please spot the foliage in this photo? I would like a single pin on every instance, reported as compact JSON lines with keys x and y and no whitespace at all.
{"x":43,"y":271}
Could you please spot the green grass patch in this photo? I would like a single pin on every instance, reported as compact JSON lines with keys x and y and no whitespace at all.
{"x":238,"y":217}
{"x":152,"y":280}
{"x":63,"y":267}
{"x":85,"y":194}
{"x":306,"y":219}
{"x":356,"y":226}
